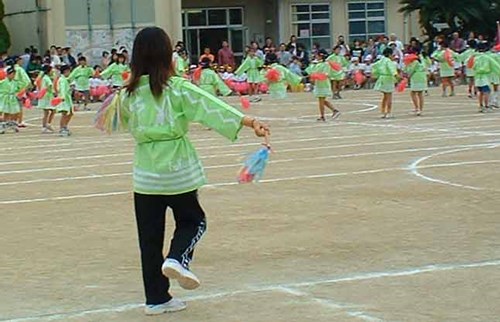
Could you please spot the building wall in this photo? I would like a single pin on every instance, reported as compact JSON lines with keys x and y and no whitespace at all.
{"x":261,"y":16}
{"x":24,"y":24}
{"x":404,"y":27}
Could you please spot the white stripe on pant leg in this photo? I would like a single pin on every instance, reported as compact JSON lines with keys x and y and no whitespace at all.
{"x":185,"y":256}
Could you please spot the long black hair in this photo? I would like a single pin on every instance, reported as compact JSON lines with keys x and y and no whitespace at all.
{"x":152,"y":56}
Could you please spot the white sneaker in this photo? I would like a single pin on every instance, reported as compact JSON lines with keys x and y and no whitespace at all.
{"x":174,"y":270}
{"x":174,"y":305}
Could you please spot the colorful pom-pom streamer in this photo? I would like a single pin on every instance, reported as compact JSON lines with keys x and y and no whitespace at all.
{"x":403,"y":84}
{"x":3,"y":74}
{"x":273,"y":76}
{"x":107,"y":118}
{"x":254,"y":166}
{"x":335,"y":66}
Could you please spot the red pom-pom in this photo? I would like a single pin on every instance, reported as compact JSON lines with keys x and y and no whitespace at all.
{"x":21,"y":94}
{"x":318,"y":77}
{"x":273,"y":76}
{"x":245,"y":103}
{"x":359,"y":78}
{"x":402,"y":85}
{"x":470,"y":62}
{"x":264,"y":88}
{"x":241,"y":88}
{"x":27,"y":103}
{"x":3,"y":74}
{"x":125,"y":75}
{"x":449,"y":58}
{"x":32,"y":95}
{"x":497,"y":47}
{"x":197,"y":74}
{"x":56,"y":101}
{"x":410,"y":59}
{"x":335,"y":66}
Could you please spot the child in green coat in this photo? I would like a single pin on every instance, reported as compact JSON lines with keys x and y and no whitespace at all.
{"x":62,"y":90}
{"x":251,"y":66}
{"x":81,"y":75}
{"x":386,"y":72}
{"x":9,"y":104}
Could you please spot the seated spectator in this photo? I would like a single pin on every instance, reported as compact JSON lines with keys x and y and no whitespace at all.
{"x":207,"y":53}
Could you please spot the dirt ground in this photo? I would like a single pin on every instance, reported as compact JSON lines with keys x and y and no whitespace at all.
{"x":358,"y":219}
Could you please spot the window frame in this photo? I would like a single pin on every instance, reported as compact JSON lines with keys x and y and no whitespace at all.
{"x":366,"y":19}
{"x":309,"y":41}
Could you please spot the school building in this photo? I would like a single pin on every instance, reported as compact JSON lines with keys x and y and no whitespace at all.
{"x":91,"y":26}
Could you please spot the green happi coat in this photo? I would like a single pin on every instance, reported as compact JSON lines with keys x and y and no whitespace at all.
{"x":64,"y":92}
{"x":385,"y":71}
{"x":485,"y":67}
{"x":251,"y":66}
{"x":180,"y":65}
{"x":9,"y":104}
{"x":278,"y":89}
{"x":322,"y":88}
{"x":81,"y":76}
{"x":45,"y":84}
{"x":495,"y":77}
{"x":417,"y":73}
{"x":165,"y":161}
{"x":22,"y":79}
{"x":342,"y":61}
{"x":445,"y":70}
{"x":115,"y":72}
{"x":464,"y":59}
{"x":211,"y":82}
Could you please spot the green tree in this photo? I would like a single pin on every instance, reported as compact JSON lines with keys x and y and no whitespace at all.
{"x":479,"y":16}
{"x":4,"y":33}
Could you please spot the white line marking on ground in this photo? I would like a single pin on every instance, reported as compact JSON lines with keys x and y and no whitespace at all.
{"x":276,"y":287}
{"x":345,"y":308}
{"x":415,"y":166}
{"x":225,"y":184}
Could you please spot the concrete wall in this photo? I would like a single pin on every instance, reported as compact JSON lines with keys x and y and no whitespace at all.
{"x":24,"y":24}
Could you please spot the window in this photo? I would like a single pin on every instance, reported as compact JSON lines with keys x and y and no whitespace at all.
{"x":311,"y":24}
{"x":208,"y":27}
{"x":366,"y":19}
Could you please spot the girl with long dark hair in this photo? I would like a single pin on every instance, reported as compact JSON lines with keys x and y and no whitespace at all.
{"x":157,"y":107}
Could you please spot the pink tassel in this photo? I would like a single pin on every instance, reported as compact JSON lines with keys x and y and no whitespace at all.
{"x":245,"y":103}
{"x":273,"y":76}
{"x":335,"y":66}
{"x":56,"y":101}
{"x":359,"y":78}
{"x":402,"y":85}
{"x":27,"y":104}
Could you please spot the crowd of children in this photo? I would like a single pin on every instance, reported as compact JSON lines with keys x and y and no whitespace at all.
{"x":61,"y":86}
{"x":55,"y":88}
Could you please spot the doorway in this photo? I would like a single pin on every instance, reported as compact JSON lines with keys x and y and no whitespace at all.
{"x":210,"y":27}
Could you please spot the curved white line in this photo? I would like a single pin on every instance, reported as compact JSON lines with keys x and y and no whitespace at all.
{"x":415,"y":166}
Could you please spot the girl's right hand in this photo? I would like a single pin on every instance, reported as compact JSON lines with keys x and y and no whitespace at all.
{"x":261,"y":129}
